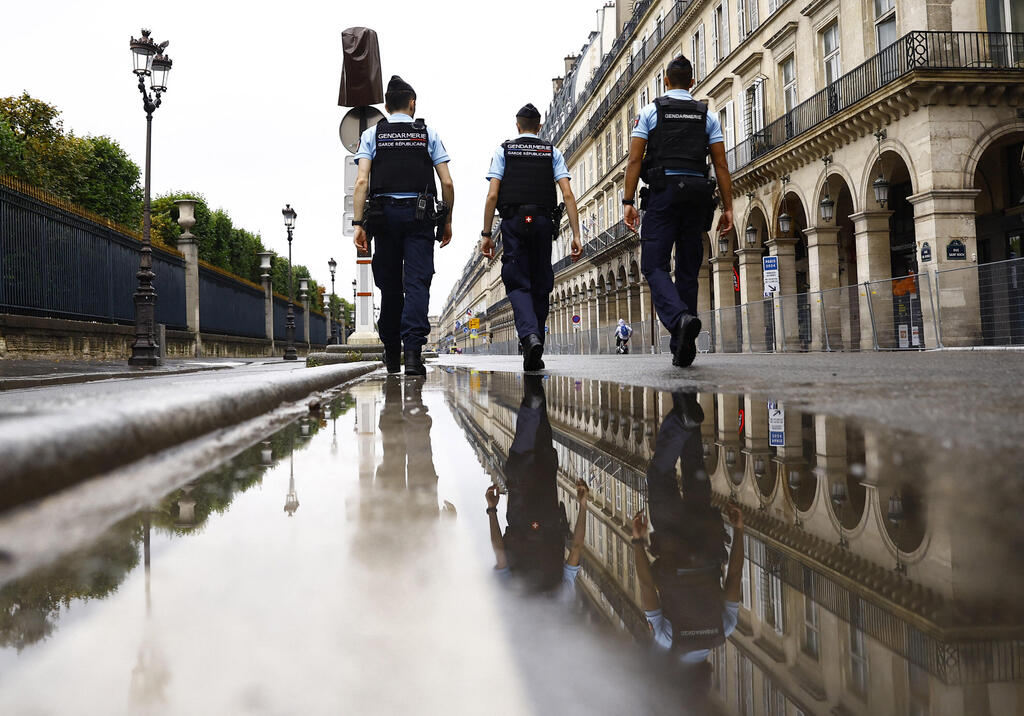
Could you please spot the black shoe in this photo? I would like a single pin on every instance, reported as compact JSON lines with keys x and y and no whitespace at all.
{"x":533,"y":349}
{"x":414,"y":362}
{"x":685,"y":339}
{"x":393,"y":359}
{"x":688,"y":409}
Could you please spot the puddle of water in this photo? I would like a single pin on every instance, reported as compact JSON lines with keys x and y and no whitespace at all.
{"x":348,"y":561}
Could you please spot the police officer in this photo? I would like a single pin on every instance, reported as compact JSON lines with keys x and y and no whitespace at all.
{"x":523,"y":175}
{"x":670,"y":143}
{"x":405,"y":155}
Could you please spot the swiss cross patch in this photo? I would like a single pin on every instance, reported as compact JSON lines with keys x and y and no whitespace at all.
{"x":529,"y":219}
{"x":636,"y":121}
{"x":535,"y":525}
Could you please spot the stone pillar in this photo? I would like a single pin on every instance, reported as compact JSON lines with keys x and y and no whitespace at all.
{"x":823,"y":275}
{"x":704,"y":287}
{"x":787,"y":319}
{"x":189,"y":247}
{"x":268,"y":310}
{"x":724,"y":320}
{"x":365,"y":333}
{"x":752,"y":298}
{"x":942,"y":216}
{"x":305,"y":320}
{"x":874,"y":263}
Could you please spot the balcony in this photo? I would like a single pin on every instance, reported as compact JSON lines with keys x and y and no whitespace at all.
{"x":917,"y":50}
{"x":604,"y":241}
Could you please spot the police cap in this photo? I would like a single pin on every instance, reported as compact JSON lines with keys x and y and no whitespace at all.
{"x":528,"y":111}
{"x":397,"y":84}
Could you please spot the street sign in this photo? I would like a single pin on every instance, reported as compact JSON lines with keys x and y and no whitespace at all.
{"x":776,"y":423}
{"x":474,"y":324}
{"x":355,"y":122}
{"x":346,"y":224}
{"x":576,"y":318}
{"x":770,"y":268}
{"x":473,"y":334}
{"x":351,"y":172}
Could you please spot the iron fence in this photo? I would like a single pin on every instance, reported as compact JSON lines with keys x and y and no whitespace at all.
{"x":57,"y":263}
{"x":280,"y":320}
{"x":228,"y":306}
{"x":981,"y":305}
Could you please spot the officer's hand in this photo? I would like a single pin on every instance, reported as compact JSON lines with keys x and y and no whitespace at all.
{"x":582,"y":491}
{"x":492,"y":496}
{"x":576,"y":248}
{"x":725,"y":222}
{"x":447,"y":234}
{"x":632,"y":217}
{"x":487,"y":247}
{"x":360,"y":239}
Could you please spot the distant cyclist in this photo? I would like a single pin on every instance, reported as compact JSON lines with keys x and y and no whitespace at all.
{"x":622,"y":335}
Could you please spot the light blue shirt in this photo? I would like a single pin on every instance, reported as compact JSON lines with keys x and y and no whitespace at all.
{"x":566,"y":588}
{"x":648,"y":119}
{"x":497,"y":170}
{"x":663,"y":632}
{"x":368,"y":148}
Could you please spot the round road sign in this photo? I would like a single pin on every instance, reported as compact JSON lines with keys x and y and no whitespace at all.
{"x":355,"y":122}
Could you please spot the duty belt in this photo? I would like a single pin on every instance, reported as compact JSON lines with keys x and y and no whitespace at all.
{"x":512,"y":210}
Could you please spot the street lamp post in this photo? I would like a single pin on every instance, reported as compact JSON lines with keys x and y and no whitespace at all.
{"x":333,"y":266}
{"x":151,"y":62}
{"x":289,"y":222}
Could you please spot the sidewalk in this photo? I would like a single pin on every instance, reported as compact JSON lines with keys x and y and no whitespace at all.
{"x":55,"y":436}
{"x":971,"y":399}
{"x":34,"y":372}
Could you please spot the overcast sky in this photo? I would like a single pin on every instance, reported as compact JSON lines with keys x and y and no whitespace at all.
{"x":251,"y":116}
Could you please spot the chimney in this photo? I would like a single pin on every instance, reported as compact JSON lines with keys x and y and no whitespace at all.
{"x":556,"y":84}
{"x":623,"y":11}
{"x":570,"y":61}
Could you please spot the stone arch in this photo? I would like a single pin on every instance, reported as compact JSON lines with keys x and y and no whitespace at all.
{"x":756,"y":210}
{"x":978,"y":148}
{"x":837,"y":176}
{"x":892,"y":149}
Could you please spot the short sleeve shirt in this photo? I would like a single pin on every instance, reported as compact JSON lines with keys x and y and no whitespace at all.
{"x":497,"y":170}
{"x":567,"y":588}
{"x":368,"y":148}
{"x":662,"y":629}
{"x":648,"y":119}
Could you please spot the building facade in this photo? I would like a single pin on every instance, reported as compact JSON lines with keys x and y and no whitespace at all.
{"x":875,"y":148}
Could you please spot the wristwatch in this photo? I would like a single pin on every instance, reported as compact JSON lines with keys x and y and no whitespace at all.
{"x":492,"y":510}
{"x":357,"y":222}
{"x":628,"y":202}
{"x":488,"y":234}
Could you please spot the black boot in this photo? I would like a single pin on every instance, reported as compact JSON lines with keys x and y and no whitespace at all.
{"x":685,"y":339}
{"x":393,"y":359}
{"x":533,"y":349}
{"x":688,"y":409}
{"x":414,"y":362}
{"x":533,"y":391}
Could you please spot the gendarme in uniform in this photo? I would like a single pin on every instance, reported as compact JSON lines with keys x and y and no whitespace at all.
{"x":527,"y":169}
{"x":679,"y":205}
{"x":405,"y":155}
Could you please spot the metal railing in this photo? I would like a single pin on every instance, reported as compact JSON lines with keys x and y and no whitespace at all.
{"x":607,"y":239}
{"x":230,"y":307}
{"x":981,"y":305}
{"x":915,"y":50}
{"x":59,"y":263}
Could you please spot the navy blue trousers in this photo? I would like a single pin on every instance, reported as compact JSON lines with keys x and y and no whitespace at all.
{"x":403,"y":267}
{"x":526,"y":271}
{"x":667,"y":225}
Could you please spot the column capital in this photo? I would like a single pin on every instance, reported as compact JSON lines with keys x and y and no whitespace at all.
{"x":871,"y":215}
{"x":750,"y":256}
{"x":781,"y":245}
{"x":944,"y":201}
{"x":724,"y":261}
{"x":821,"y":236}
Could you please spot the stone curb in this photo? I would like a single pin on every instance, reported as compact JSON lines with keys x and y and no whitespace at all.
{"x":42,"y":381}
{"x":44,"y":452}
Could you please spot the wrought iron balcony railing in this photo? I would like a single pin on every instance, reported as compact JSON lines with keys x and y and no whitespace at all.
{"x":600,"y":243}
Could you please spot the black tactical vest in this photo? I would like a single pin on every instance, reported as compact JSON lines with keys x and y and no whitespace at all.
{"x":679,"y":140}
{"x":529,"y":173}
{"x":402,"y":163}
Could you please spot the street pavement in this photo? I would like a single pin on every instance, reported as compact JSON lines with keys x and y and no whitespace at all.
{"x":35,"y":372}
{"x":961,"y":399}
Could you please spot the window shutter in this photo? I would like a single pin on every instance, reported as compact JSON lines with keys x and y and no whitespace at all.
{"x":724,"y":39}
{"x":753,"y":15}
{"x":741,"y":24}
{"x":703,"y":60}
{"x":715,"y":55}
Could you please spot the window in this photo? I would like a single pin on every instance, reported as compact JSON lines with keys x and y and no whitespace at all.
{"x":618,"y":138}
{"x":789,"y":84}
{"x":618,"y":496}
{"x":812,"y":628}
{"x":659,"y":83}
{"x":644,"y":97}
{"x":753,"y":110}
{"x":858,"y":649}
{"x":608,"y":159}
{"x":746,"y":18}
{"x":697,"y":54}
{"x":725,"y":118}
{"x":600,"y":218}
{"x":774,"y":699}
{"x":611,"y":210}
{"x":720,"y":32}
{"x":885,"y":23}
{"x":830,"y":46}
{"x":600,"y":160}
{"x":769,"y":586}
{"x":744,"y":685}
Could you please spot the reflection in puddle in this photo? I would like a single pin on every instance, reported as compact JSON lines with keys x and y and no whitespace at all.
{"x":672,"y":552}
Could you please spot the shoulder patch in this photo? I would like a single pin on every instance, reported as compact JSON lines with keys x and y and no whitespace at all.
{"x":636,"y":121}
